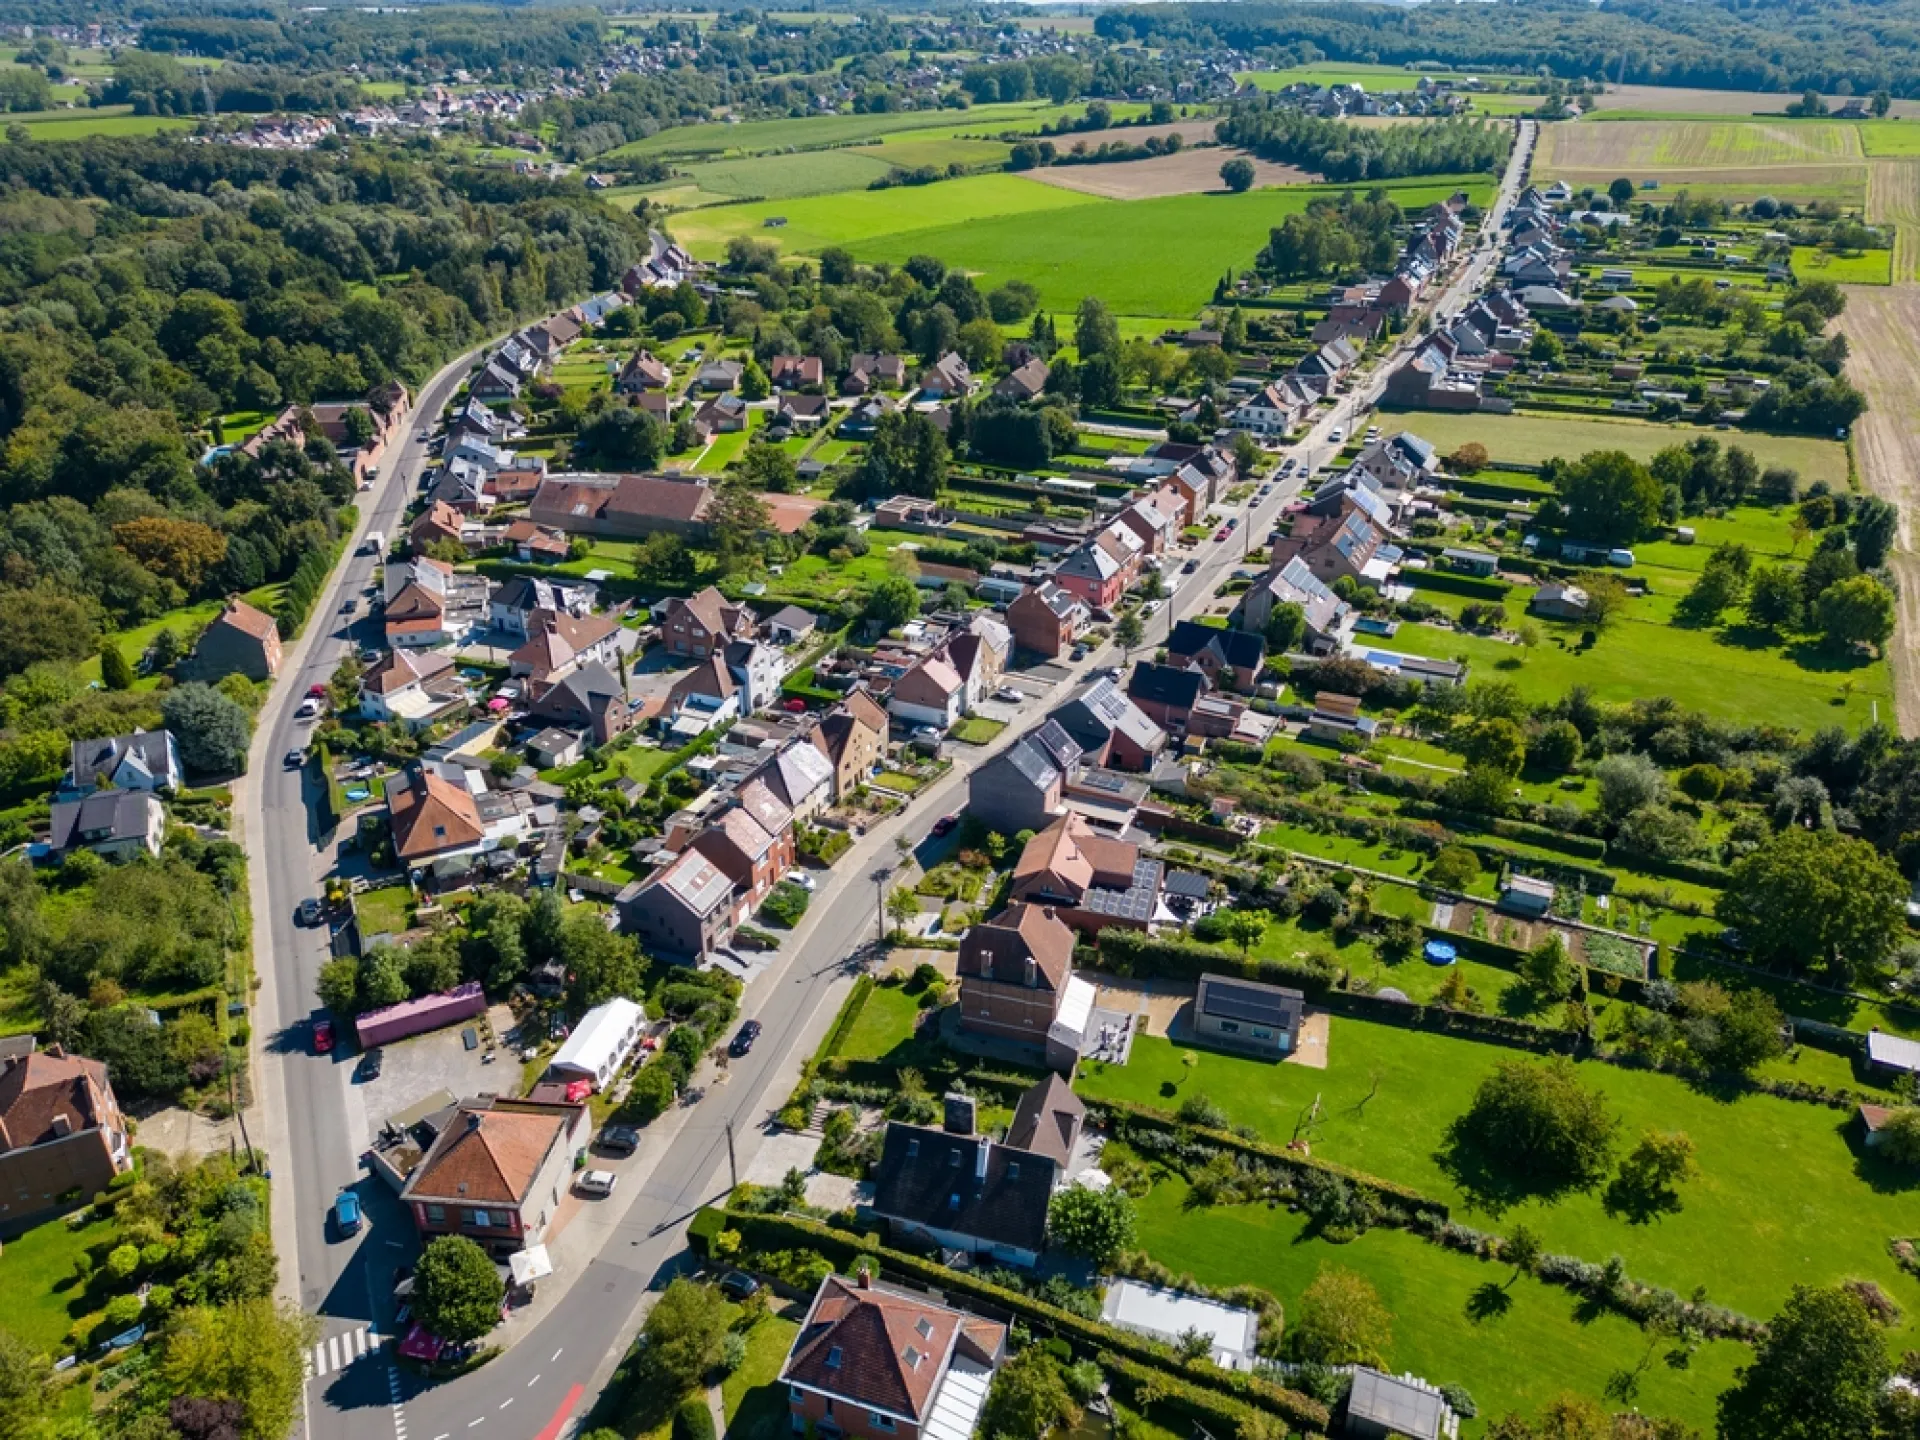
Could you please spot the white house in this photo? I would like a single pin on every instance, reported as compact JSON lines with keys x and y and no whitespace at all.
{"x":931,"y":693}
{"x":410,"y":687}
{"x":758,"y":670}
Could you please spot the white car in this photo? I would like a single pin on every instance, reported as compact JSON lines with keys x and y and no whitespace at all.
{"x":1009,"y":694}
{"x":1339,"y":434}
{"x":596,"y":1182}
{"x":1151,"y":607}
{"x":802,"y":879}
{"x":308,"y":709}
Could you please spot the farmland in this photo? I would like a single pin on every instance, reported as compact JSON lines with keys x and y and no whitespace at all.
{"x":786,"y":177}
{"x":1743,"y":158}
{"x":109,"y":120}
{"x":1190,"y":172}
{"x":755,"y":136}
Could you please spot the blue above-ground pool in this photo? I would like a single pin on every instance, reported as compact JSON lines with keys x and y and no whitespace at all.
{"x":1439,"y":952}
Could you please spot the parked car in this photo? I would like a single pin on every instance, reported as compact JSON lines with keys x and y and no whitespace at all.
{"x":1191,"y":566}
{"x":743,"y":1041}
{"x":1222,"y":532}
{"x":309,"y":708}
{"x":1079,"y":652}
{"x":737,"y":1285}
{"x":296,"y":759}
{"x":802,"y":880}
{"x":1009,"y":694}
{"x":944,"y":825}
{"x":1339,"y":434}
{"x":795,"y":706}
{"x":322,"y":1036}
{"x":621,"y":1139}
{"x":308,"y":912}
{"x":317,"y":691}
{"x":596,"y":1182}
{"x":927,"y":735}
{"x":346,"y":1213}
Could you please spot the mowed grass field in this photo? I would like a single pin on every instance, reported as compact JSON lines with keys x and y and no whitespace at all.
{"x":108,"y":120}
{"x":1869,"y":267}
{"x":1389,"y":1095}
{"x":813,"y":132}
{"x":1004,"y":227}
{"x":786,"y":177}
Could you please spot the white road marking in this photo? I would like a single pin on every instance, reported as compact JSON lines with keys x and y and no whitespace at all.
{"x":556,"y":1354}
{"x":533,"y":1382}
{"x":481,"y":1421}
{"x":506,"y":1402}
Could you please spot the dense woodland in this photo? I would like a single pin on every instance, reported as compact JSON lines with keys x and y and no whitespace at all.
{"x":1347,"y":152}
{"x":1830,"y":45}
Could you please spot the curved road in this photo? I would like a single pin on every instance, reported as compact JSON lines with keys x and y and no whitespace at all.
{"x":546,"y":1381}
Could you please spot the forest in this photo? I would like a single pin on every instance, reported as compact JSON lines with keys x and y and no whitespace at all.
{"x":1835,"y":46}
{"x":1289,"y":136}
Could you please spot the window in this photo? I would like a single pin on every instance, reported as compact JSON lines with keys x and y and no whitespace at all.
{"x":436,"y":1214}
{"x":913,"y":1148}
{"x":833,"y":1358}
{"x":877,"y":1421}
{"x":796,"y":1396}
{"x":1013,"y":1170}
{"x":953,"y":1201}
{"x":1229,"y":1027}
{"x":479,"y":1219}
{"x":1260,"y":1032}
{"x":953,"y":1157}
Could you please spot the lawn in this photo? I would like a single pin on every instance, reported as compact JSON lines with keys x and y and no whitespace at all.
{"x":1389,"y":1095}
{"x":384,"y":911}
{"x":1869,"y":267}
{"x":726,"y":448}
{"x":31,"y":1266}
{"x":1530,"y":439}
{"x":885,"y":1025}
{"x":977,"y":730}
{"x":755,"y":1403}
{"x":894,"y":780}
{"x":1513,"y":1348}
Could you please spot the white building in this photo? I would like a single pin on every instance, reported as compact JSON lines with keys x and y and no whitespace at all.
{"x":601,"y":1043}
{"x":1169,"y":1314}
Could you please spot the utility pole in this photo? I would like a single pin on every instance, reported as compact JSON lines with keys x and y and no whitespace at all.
{"x":880,"y":877}
{"x":733,"y":1168}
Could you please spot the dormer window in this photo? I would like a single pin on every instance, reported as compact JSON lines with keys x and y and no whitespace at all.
{"x":833,"y":1358}
{"x":913,"y":1148}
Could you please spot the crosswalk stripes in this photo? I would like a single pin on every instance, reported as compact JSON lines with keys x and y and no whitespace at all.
{"x":336,"y":1352}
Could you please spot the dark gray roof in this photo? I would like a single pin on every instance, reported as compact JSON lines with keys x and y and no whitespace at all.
{"x":1186,"y":882}
{"x":1093,"y":717}
{"x":91,"y":758}
{"x":1249,"y":1000}
{"x":1238,"y":648}
{"x":1166,"y":685}
{"x":1047,"y":1119}
{"x":1397,"y":1406}
{"x":931,"y":1178}
{"x":105,"y":815}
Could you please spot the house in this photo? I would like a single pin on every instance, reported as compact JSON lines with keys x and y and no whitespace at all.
{"x":1275,"y":409}
{"x":497,"y":1172}
{"x":853,"y":738}
{"x":867,"y":372}
{"x":801,"y":412}
{"x":428,"y":603}
{"x":949,"y":378}
{"x":1110,"y":729}
{"x":722,"y":415}
{"x":863,"y":419}
{"x":1169,"y":1316}
{"x":1387,"y":1407}
{"x":240,"y":641}
{"x":1014,"y":971}
{"x":588,"y":697}
{"x":877,"y":1363}
{"x":979,"y":655}
{"x":641,"y":373}
{"x":439,"y":524}
{"x":552,"y":748}
{"x":1245,"y":1015}
{"x":754,"y":858}
{"x":431,"y":816}
{"x":931,"y":693}
{"x":559,"y":643}
{"x":799,"y":777}
{"x":114,"y":824}
{"x":1292,"y":583}
{"x":1559,"y":601}
{"x":790,"y":624}
{"x":63,"y":1139}
{"x":623,"y":507}
{"x":1046,"y":619}
{"x":144,"y":760}
{"x":1088,"y":879}
{"x":473,"y":418}
{"x":1155,"y":519}
{"x":1022,"y":787}
{"x":1166,"y":694}
{"x":495,"y":384}
{"x":523,"y":603}
{"x":409,"y":687}
{"x":1230,"y":659}
{"x":1027,"y":382}
{"x":1337,"y":717}
{"x":1048,"y":1120}
{"x":1525,"y":895}
{"x":702,"y":624}
{"x":601,"y":1044}
{"x":797,"y":372}
{"x":964,"y":1193}
{"x":717,"y":376}
{"x":682,"y":912}
{"x":1092,"y":574}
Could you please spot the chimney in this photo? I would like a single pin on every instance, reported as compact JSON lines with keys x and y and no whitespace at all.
{"x":959,"y":1114}
{"x":473,"y":1119}
{"x":980,"y":1159}
{"x":62,"y":1124}
{"x":866,"y":1277}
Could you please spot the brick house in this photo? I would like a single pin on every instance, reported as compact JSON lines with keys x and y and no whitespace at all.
{"x":1110,"y":728}
{"x":1092,"y":574}
{"x":931,"y":693}
{"x":1230,"y":659}
{"x":1045,"y":619}
{"x":682,"y":912}
{"x":1023,"y":787}
{"x":624,"y":507}
{"x":497,"y":1172}
{"x":702,"y":624}
{"x":853,"y":737}
{"x":62,"y":1136}
{"x":754,"y":860}
{"x":240,"y":641}
{"x":877,"y":1363}
{"x":1013,"y":973}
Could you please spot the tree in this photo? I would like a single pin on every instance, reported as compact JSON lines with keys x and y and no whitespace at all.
{"x":1880,"y":103}
{"x":620,"y":438}
{"x":1609,"y":496}
{"x":115,"y":672}
{"x":1555,"y":746}
{"x":1650,"y":1176}
{"x":253,"y":1352}
{"x":768,"y":467}
{"x":1129,"y":631}
{"x":1856,"y":612}
{"x":685,"y":1331}
{"x":456,"y":1290}
{"x":1285,"y":627}
{"x":1536,"y":1121}
{"x":894,"y":601}
{"x":1340,"y":1321}
{"x":1817,"y":899}
{"x":1875,"y":525}
{"x":1606,"y":598}
{"x":1626,"y":782}
{"x":1522,"y":1250}
{"x":1620,"y":192}
{"x":1773,"y":598}
{"x":1095,"y":331}
{"x":1238,"y":174}
{"x":1029,"y":1398}
{"x":1899,"y":1138}
{"x":25,"y":1380}
{"x":1548,"y":968}
{"x":211,"y":731}
{"x":1469,"y":458}
{"x":1496,"y":744}
{"x":1817,"y":1374}
{"x":1243,"y":928}
{"x":1454,"y":867}
{"x":902,"y":905}
{"x":1094,"y":1224}
{"x":738,"y":518}
{"x":754,"y":384}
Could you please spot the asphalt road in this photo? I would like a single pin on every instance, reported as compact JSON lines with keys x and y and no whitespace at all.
{"x":544,"y":1384}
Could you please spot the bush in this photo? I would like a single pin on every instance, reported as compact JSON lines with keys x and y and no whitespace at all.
{"x":693,"y":1420}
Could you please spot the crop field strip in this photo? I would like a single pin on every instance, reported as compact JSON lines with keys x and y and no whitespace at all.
{"x":1734,"y":159}
{"x":1893,"y":198}
{"x":759,"y":136}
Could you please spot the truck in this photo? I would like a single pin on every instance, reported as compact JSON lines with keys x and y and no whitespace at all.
{"x":376,"y":543}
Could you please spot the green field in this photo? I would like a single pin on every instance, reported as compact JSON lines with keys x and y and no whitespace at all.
{"x":36,"y":1271}
{"x":1890,"y":138}
{"x":787,"y":177}
{"x":885,"y":1024}
{"x":1388,"y":1096}
{"x":1003,"y":227}
{"x":1530,"y":439}
{"x":1343,"y":72}
{"x":1534,"y":1341}
{"x":755,"y":136}
{"x":915,"y":151}
{"x":80,"y":124}
{"x":1869,"y":267}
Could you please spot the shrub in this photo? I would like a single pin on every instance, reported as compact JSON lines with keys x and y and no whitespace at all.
{"x":693,"y":1420}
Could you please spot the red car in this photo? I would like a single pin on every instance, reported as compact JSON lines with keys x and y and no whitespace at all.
{"x":944,"y":825}
{"x":322,"y":1036}
{"x":1221,"y":533}
{"x":316,"y":691}
{"x":795,"y":706}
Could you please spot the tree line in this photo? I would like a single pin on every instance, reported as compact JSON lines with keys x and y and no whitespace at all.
{"x":1288,"y":136}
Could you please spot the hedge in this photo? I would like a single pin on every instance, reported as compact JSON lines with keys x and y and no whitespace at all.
{"x":791,"y":1232}
{"x":693,"y":1420}
{"x":1472,"y":586}
{"x":844,"y":1022}
{"x":1133,"y":953}
{"x":1585,"y":847}
{"x":1210,"y":1412}
{"x":1698,"y":872}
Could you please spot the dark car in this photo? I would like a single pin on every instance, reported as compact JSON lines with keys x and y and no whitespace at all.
{"x":743,"y":1042}
{"x":296,"y":759}
{"x":1079,"y":652}
{"x":309,"y":912}
{"x":370,"y":1064}
{"x":623,"y":1139}
{"x":944,"y":825}
{"x":737,"y":1285}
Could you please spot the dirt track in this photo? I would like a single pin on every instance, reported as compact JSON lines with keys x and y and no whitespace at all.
{"x":1882,"y":325}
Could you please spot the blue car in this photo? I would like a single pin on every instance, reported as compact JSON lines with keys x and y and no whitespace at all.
{"x":346,"y":1213}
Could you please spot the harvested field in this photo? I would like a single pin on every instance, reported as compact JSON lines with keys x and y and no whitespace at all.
{"x":1883,"y":325}
{"x":910,"y":154}
{"x":1662,"y":100}
{"x":1893,"y":197}
{"x":1636,"y":145}
{"x":1188,"y":173}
